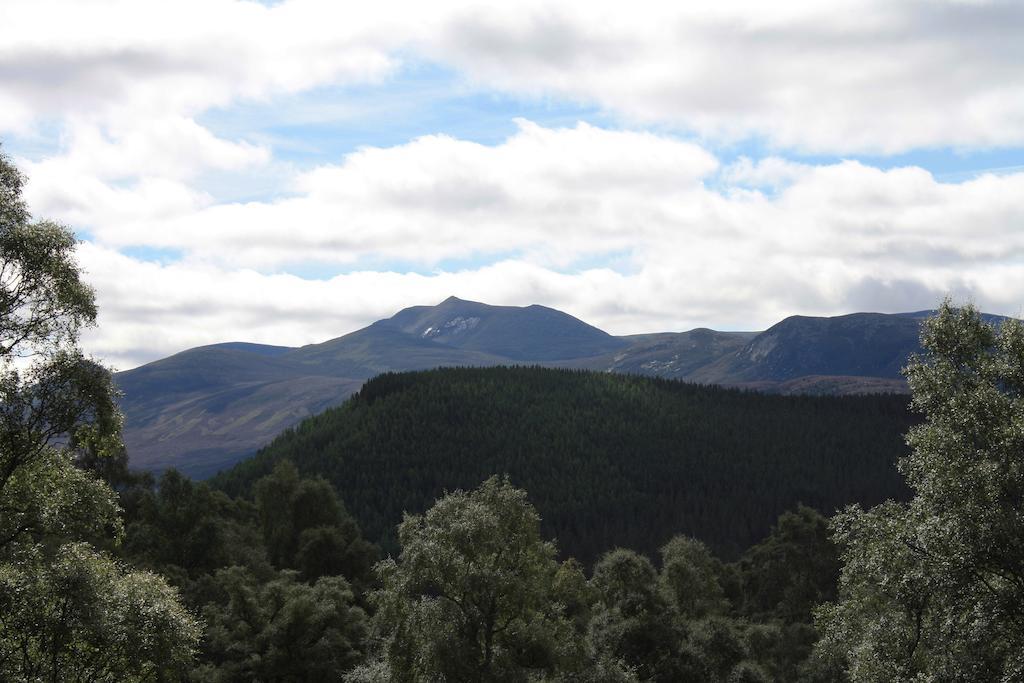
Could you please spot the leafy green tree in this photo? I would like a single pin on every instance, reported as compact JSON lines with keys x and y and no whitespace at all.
{"x":690,"y":578}
{"x":575,"y":593}
{"x":82,"y":616}
{"x":791,"y":571}
{"x":783,"y":578}
{"x":722,"y":646}
{"x":54,"y":403}
{"x":186,"y":531}
{"x":306,"y":527}
{"x":472,"y":597}
{"x":67,"y":610}
{"x":282,"y":630}
{"x":265,"y":623}
{"x":934,"y":590}
{"x":633,"y":621}
{"x":748,"y":672}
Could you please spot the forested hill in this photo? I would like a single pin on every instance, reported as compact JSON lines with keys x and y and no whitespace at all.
{"x":205,"y":409}
{"x":609,"y":460}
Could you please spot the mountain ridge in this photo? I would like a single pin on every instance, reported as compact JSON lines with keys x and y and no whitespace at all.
{"x":207,"y":407}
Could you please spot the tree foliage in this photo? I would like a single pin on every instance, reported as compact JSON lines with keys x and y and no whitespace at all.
{"x":79,"y":615}
{"x":476,"y":595}
{"x":471,"y":597}
{"x":279,"y":580}
{"x":306,"y":527}
{"x":791,"y":571}
{"x":633,"y":622}
{"x":281,"y":630}
{"x":54,"y":402}
{"x":67,"y":610}
{"x":934,"y":589}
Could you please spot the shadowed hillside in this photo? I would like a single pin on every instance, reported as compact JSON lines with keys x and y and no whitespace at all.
{"x":608,"y":459}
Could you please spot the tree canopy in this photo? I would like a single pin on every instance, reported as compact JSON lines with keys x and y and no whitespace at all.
{"x":68,"y":611}
{"x":471,"y":597}
{"x":934,"y":589}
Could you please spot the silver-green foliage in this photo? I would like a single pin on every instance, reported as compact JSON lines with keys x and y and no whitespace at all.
{"x":281,"y":630}
{"x":933,"y":590}
{"x":80,"y":615}
{"x":67,"y":611}
{"x":472,"y":596}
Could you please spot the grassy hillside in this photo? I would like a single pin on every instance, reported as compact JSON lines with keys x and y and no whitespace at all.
{"x":608,"y":459}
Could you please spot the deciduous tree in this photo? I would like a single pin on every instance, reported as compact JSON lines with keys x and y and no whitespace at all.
{"x":67,"y":611}
{"x":934,"y":590}
{"x":281,"y":630}
{"x":471,"y":597}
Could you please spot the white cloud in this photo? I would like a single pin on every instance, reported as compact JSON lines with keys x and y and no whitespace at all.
{"x":831,"y":239}
{"x":556,"y":196}
{"x":432,"y":199}
{"x":693,"y":243}
{"x":843,"y":76}
{"x":128,"y":59}
{"x":168,"y":147}
{"x":768,"y":173}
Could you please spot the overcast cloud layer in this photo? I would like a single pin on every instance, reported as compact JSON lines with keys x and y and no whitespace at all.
{"x":644,"y":221}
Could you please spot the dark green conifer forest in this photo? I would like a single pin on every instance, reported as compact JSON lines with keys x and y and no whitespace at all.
{"x":609,"y":460}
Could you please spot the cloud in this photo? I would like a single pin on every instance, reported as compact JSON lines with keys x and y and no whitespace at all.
{"x":770,"y":173}
{"x":841,"y":77}
{"x":125,"y":60}
{"x":630,"y":231}
{"x":171,"y":147}
{"x":848,"y":76}
{"x":556,"y":196}
{"x":432,"y":199}
{"x":901,"y":294}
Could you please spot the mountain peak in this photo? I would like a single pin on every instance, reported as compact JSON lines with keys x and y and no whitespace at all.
{"x":510,"y":333}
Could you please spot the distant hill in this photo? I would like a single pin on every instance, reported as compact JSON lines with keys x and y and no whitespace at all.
{"x":673,"y":355}
{"x":531,"y":333}
{"x":607,"y":459}
{"x":856,"y":345}
{"x":206,"y":408}
{"x":457,"y":332}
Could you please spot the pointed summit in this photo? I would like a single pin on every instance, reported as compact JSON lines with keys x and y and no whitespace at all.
{"x":510,"y":333}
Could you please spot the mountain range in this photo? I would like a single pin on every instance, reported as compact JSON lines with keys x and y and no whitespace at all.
{"x":206,"y":408}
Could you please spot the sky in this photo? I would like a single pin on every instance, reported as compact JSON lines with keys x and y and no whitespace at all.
{"x":287,"y":172}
